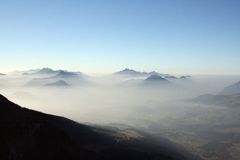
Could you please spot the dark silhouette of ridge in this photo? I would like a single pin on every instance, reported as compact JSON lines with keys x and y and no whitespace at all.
{"x":26,"y":135}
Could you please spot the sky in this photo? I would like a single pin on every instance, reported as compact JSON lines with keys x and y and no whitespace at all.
{"x":101,"y":36}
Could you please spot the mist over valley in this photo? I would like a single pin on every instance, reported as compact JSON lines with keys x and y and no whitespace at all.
{"x":189,"y":111}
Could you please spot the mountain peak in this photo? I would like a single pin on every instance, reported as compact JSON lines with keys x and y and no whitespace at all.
{"x":155,"y":78}
{"x":46,"y":70}
{"x":127,"y":69}
{"x":132,"y":72}
{"x":153,"y":73}
{"x":42,"y":71}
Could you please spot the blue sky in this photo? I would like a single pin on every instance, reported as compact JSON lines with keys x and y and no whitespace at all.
{"x":97,"y":36}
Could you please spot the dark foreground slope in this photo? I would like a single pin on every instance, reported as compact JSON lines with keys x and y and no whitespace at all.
{"x":26,"y":135}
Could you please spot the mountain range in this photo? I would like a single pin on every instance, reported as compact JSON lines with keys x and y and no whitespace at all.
{"x":46,"y":76}
{"x":131,"y":72}
{"x":27,"y":134}
{"x":51,"y":72}
{"x":49,"y":77}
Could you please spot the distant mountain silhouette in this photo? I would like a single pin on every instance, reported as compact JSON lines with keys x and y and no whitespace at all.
{"x":156,"y":80}
{"x":43,"y":71}
{"x":233,"y":89}
{"x":67,"y":74}
{"x":131,"y":72}
{"x":53,"y":73}
{"x":30,"y":135}
{"x":60,"y":83}
{"x":46,"y":71}
{"x":1,"y":74}
{"x":221,"y":100}
{"x":56,"y":76}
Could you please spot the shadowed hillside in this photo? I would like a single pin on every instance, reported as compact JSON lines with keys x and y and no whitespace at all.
{"x":26,"y":134}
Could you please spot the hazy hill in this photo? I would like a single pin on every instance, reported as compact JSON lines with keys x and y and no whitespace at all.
{"x":156,"y":80}
{"x":223,"y":100}
{"x":26,"y":134}
{"x":57,"y":79}
{"x":67,"y":74}
{"x":131,"y":72}
{"x":59,"y":83}
{"x":52,"y":73}
{"x":43,"y":71}
{"x":232,"y":89}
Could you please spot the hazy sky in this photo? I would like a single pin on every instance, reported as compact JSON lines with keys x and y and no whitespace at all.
{"x":170,"y":36}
